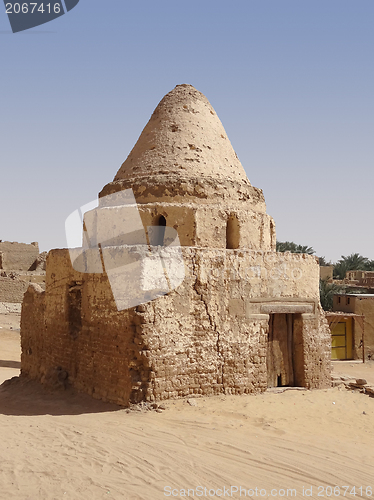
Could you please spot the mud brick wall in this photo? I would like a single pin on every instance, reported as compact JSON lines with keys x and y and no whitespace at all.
{"x":207,"y":337}
{"x":18,"y":256}
{"x":35,"y":355}
{"x":12,"y":290}
{"x":204,"y":338}
{"x":364,"y":306}
{"x":316,"y":338}
{"x":74,"y":333}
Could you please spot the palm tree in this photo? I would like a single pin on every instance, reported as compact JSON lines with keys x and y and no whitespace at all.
{"x":353,"y":262}
{"x":370,"y":265}
{"x":290,"y":246}
{"x":324,"y":262}
{"x":327,"y":292}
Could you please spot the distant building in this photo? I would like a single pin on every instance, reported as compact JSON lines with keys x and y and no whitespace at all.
{"x":20,"y":264}
{"x":18,"y":256}
{"x":326,"y":272}
{"x":353,"y":331}
{"x":360,"y":278}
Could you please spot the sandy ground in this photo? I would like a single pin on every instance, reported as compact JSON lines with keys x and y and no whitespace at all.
{"x":66,"y":446}
{"x":10,"y":352}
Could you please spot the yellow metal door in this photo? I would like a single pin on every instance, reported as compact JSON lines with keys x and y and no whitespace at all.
{"x":341,"y":340}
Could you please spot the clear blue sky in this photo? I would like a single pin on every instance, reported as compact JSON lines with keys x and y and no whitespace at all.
{"x":291,"y":80}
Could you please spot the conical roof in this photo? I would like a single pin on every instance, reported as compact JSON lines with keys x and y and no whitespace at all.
{"x":184,"y":138}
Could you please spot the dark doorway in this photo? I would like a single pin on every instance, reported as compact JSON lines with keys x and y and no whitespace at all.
{"x":280,"y":351}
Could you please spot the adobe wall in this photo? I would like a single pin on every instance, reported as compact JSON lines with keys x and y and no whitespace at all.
{"x":79,"y":329}
{"x":10,"y":308}
{"x":326,"y":272}
{"x":202,"y":226}
{"x":195,"y":340}
{"x":172,"y":187}
{"x":18,"y":256}
{"x":12,"y":290}
{"x":363,"y":306}
{"x":200,"y":340}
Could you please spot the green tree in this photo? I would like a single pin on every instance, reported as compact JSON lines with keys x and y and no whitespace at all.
{"x":353,"y":262}
{"x":290,"y":246}
{"x":324,"y":262}
{"x":370,"y":265}
{"x":327,"y":292}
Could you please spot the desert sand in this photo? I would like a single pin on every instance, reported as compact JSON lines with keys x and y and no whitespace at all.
{"x":62,"y":445}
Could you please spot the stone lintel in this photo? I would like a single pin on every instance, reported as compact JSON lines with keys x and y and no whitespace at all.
{"x":286,"y":308}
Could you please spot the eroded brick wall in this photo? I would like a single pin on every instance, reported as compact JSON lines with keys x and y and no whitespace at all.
{"x":208,"y":336}
{"x":18,"y":256}
{"x":12,"y":289}
{"x":317,"y":351}
{"x":35,"y":355}
{"x":73,"y":332}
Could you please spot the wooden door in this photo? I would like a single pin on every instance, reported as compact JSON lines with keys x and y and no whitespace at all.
{"x":280,"y":351}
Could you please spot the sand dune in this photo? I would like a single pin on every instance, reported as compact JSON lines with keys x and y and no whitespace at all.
{"x":60,"y":445}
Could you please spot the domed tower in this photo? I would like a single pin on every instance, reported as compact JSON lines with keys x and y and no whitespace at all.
{"x":183,"y":171}
{"x":213,"y":309}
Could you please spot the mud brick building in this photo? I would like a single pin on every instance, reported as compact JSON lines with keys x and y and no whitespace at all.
{"x":243,"y":319}
{"x":20,"y":264}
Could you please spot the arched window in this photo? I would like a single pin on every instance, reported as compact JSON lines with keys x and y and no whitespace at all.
{"x":232,"y":232}
{"x":161,"y":221}
{"x":160,"y":231}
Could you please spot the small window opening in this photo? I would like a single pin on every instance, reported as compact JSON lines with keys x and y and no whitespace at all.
{"x":161,"y":221}
{"x":279,"y":381}
{"x":232,"y":232}
{"x":160,"y":234}
{"x":339,"y":300}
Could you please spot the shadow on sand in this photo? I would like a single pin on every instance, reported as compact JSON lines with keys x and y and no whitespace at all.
{"x":22,"y":397}
{"x":10,"y":364}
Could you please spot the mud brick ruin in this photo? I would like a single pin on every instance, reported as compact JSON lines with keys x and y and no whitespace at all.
{"x":245,"y":317}
{"x":20,"y":264}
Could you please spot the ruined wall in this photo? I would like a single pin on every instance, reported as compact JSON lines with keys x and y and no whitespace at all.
{"x":316,"y":350}
{"x":12,"y":289}
{"x":74,"y":330}
{"x":195,"y":340}
{"x":202,"y":341}
{"x":18,"y":267}
{"x":18,"y":256}
{"x":35,"y":353}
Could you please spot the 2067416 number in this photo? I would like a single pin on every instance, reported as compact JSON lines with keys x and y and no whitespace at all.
{"x":31,"y":8}
{"x":344,"y":491}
